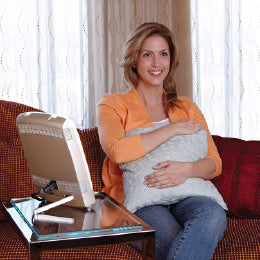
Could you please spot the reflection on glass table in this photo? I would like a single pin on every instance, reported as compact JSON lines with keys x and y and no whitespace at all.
{"x":105,"y":216}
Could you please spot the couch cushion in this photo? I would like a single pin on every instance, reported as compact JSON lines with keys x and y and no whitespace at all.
{"x":11,"y":247}
{"x":15,"y":179}
{"x":94,"y":155}
{"x":239,"y":183}
{"x":9,"y":112}
{"x":241,"y":240}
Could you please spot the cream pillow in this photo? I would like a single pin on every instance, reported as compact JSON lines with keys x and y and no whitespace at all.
{"x":182,"y":148}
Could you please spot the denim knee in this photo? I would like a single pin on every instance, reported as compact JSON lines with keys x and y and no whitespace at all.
{"x":217,"y":220}
{"x":210,"y":213}
{"x":215,"y":216}
{"x":204,"y":223}
{"x":163,"y":222}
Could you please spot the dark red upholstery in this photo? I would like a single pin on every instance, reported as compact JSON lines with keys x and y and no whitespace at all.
{"x":240,"y":241}
{"x":16,"y":182}
{"x":11,"y":247}
{"x":94,"y":155}
{"x":15,"y":179}
{"x":239,"y":185}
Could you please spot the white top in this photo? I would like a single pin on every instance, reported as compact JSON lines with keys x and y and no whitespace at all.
{"x":162,"y":123}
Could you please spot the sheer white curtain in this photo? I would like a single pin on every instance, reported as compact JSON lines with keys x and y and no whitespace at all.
{"x":226,"y":65}
{"x":61,"y":56}
{"x":43,"y":51}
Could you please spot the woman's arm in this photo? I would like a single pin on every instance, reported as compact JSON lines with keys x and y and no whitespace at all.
{"x":117,"y":147}
{"x":174,"y":173}
{"x":120,"y":149}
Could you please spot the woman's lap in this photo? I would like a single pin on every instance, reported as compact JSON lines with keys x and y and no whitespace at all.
{"x":185,"y":228}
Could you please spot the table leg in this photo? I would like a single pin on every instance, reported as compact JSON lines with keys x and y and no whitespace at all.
{"x":148,"y":249}
{"x":34,"y":253}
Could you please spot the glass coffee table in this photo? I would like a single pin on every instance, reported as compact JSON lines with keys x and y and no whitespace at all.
{"x":106,"y":222}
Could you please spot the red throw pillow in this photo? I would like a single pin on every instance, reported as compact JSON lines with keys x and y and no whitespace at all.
{"x":239,"y":183}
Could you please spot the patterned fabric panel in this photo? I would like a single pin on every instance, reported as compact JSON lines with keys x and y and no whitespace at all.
{"x":11,"y":247}
{"x":241,"y":240}
{"x":94,"y":155}
{"x":239,"y":183}
{"x":107,"y":252}
{"x":15,"y":179}
{"x":9,"y":112}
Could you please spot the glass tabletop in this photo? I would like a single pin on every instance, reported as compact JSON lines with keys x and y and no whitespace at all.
{"x":105,"y":216}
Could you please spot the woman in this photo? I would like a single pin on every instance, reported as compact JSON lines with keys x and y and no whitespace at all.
{"x":191,"y":228}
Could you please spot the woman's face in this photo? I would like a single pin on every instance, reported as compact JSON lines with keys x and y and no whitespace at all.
{"x":153,"y":61}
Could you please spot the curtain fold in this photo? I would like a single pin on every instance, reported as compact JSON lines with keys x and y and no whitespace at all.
{"x":226,"y":65}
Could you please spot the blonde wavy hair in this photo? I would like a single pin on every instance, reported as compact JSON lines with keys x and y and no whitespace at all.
{"x":131,"y":51}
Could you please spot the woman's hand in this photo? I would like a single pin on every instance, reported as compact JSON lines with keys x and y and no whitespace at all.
{"x":169,"y":174}
{"x":186,"y":127}
{"x":153,"y":139}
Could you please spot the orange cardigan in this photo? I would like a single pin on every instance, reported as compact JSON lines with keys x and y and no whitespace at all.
{"x":119,"y":113}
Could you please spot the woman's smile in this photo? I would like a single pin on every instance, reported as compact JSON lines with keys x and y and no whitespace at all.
{"x":155,"y":73}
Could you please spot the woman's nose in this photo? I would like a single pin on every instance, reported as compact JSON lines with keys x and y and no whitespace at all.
{"x":155,"y":61}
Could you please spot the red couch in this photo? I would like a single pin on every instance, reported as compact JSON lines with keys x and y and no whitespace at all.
{"x":239,"y":184}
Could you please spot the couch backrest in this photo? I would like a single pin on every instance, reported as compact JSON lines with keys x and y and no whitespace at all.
{"x":94,"y":155}
{"x":15,"y":180}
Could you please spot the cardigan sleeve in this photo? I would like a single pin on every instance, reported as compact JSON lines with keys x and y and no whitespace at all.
{"x":111,"y":119}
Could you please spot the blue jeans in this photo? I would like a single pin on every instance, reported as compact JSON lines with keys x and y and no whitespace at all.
{"x":189,"y":229}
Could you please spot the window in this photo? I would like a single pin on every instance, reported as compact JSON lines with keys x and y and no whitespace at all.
{"x":44,"y":55}
{"x":226,"y":65}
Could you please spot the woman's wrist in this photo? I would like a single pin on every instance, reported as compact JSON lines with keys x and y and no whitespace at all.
{"x":204,"y":168}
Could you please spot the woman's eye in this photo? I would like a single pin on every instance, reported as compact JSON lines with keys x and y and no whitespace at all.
{"x":147,"y":54}
{"x":164,"y":54}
